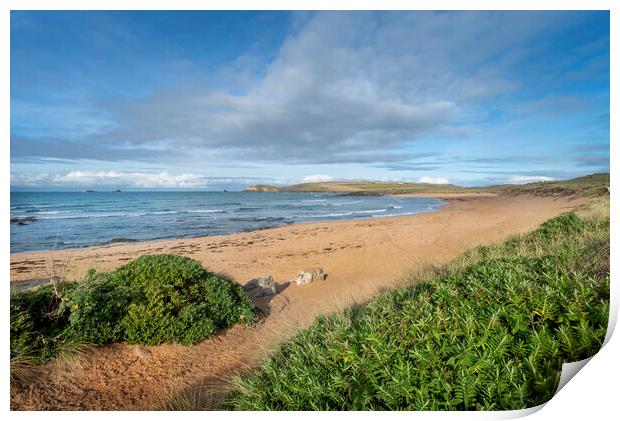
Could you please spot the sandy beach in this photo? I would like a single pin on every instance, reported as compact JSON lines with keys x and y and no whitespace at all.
{"x":361,"y":257}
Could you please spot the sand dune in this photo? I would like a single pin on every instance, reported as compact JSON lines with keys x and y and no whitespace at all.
{"x":361,"y":257}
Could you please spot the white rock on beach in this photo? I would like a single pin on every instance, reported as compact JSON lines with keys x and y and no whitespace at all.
{"x":318,"y":275}
{"x":304,"y":277}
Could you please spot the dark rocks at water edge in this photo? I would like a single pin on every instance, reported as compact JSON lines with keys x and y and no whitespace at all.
{"x":361,"y":193}
{"x":23,"y":220}
{"x":121,"y":240}
{"x":260,"y":287}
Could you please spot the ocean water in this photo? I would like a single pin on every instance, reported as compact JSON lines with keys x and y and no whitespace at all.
{"x":81,"y":219}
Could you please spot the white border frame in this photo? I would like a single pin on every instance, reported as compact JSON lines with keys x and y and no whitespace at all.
{"x":593,"y":391}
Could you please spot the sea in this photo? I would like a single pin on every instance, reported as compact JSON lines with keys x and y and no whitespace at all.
{"x":59,"y":220}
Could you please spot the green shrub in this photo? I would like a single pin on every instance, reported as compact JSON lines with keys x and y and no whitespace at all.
{"x":150,"y":300}
{"x":227,"y":301}
{"x":491,"y":334}
{"x":175,"y":300}
{"x":96,"y":308}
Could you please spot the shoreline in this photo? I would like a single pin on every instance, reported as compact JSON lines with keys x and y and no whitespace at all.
{"x":115,"y":242}
{"x":445,"y":197}
{"x":170,"y":243}
{"x":124,"y":240}
{"x":361,"y":258}
{"x":44,"y":265}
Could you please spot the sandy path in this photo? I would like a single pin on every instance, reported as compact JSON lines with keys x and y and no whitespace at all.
{"x":361,"y":257}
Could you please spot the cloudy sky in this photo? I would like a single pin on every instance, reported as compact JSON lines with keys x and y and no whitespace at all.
{"x":212,"y":100}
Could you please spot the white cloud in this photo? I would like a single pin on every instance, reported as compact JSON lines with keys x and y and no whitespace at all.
{"x":30,"y":180}
{"x":431,"y":180}
{"x":118,"y":179}
{"x":318,"y":178}
{"x":523,"y":179}
{"x":344,"y":87}
{"x":131,"y":179}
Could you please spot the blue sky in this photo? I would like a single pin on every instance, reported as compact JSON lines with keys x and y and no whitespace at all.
{"x":212,"y":100}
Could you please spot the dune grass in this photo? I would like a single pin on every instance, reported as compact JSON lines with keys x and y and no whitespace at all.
{"x":488,"y":331}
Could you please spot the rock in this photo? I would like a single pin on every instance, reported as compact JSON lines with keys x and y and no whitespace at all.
{"x":318,"y":275}
{"x":23,"y":220}
{"x":260,"y":287}
{"x":304,"y":278}
{"x":121,"y":240}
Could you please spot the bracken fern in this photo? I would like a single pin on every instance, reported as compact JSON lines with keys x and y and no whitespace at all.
{"x":488,"y":331}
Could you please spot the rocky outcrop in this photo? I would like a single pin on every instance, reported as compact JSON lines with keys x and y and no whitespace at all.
{"x":23,"y":220}
{"x":262,"y":188}
{"x":304,"y":278}
{"x":260,"y":287}
{"x":121,"y":240}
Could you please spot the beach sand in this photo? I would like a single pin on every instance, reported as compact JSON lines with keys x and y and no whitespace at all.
{"x":361,"y":257}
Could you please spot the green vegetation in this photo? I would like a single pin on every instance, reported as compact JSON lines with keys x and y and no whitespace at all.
{"x":150,"y":300}
{"x":362,"y":188}
{"x":262,"y":188}
{"x":487,"y":331}
{"x":376,"y":187}
{"x":590,"y":185}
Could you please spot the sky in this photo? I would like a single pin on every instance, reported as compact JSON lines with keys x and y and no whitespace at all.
{"x":211,"y":100}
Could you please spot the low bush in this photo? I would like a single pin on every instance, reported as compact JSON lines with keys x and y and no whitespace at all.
{"x":489,"y":331}
{"x":96,"y":308}
{"x":175,"y":300}
{"x":150,"y":300}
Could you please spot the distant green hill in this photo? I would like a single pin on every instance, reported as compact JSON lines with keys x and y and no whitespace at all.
{"x":262,"y":188}
{"x":590,"y":185}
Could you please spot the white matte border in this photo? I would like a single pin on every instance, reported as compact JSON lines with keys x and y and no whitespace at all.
{"x":592,"y":394}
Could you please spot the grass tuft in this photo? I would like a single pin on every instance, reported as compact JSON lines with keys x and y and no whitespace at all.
{"x":22,"y":369}
{"x":198,"y":397}
{"x":72,"y":354}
